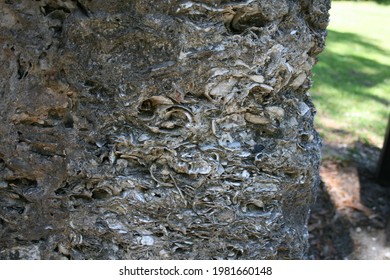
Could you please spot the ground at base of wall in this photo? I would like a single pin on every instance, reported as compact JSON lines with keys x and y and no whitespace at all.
{"x":351,"y":217}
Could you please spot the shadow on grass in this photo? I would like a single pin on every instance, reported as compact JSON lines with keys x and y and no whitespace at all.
{"x":352,"y":74}
{"x":348,"y":38}
{"x":383,"y":2}
{"x":349,"y":84}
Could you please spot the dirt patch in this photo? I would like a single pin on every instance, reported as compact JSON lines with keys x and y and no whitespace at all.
{"x":350,"y":219}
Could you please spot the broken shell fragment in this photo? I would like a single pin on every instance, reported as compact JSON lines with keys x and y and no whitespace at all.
{"x":298,"y":81}
{"x":257,"y":88}
{"x":257,"y":78}
{"x":147,"y":240}
{"x":218,"y":72}
{"x":256,"y":119}
{"x":222,"y":89}
{"x":160,"y":100}
{"x":303,"y":108}
{"x":275,"y":112}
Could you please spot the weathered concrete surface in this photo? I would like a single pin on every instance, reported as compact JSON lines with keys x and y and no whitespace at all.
{"x":157,"y":129}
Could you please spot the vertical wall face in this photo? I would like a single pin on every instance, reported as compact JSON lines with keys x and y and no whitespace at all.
{"x":157,"y":129}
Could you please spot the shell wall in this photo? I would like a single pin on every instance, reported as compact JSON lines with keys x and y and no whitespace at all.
{"x":159,"y":129}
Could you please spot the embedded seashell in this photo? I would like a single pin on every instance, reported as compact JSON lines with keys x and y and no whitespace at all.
{"x":275,"y":112}
{"x":299,"y":81}
{"x":147,"y":240}
{"x":289,"y":67}
{"x":259,"y":88}
{"x":201,"y":167}
{"x":223,"y":88}
{"x":164,"y":254}
{"x":148,"y":107}
{"x":245,"y":174}
{"x":257,"y":202}
{"x":256,"y":119}
{"x":178,"y":110}
{"x":63,"y":249}
{"x":116,"y":225}
{"x":160,"y":100}
{"x":239,"y":62}
{"x":184,"y":55}
{"x":75,"y":238}
{"x":257,"y":78}
{"x":3,"y":185}
{"x":143,"y":137}
{"x":218,"y":72}
{"x":293,"y":122}
{"x":228,"y":142}
{"x":100,"y":143}
{"x":307,"y":137}
{"x":173,"y":117}
{"x":303,"y":108}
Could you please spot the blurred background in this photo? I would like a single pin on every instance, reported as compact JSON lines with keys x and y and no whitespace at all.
{"x":351,"y":91}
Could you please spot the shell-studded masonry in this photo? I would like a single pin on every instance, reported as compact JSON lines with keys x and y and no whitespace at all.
{"x":191,"y":131}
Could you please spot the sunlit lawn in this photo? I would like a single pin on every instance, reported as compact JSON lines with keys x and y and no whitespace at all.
{"x":352,"y":78}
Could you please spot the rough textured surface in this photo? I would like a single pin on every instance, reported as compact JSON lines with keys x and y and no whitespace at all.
{"x":157,"y":129}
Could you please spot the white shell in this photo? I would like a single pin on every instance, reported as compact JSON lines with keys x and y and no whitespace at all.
{"x":256,"y":119}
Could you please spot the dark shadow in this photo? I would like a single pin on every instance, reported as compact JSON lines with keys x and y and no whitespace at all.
{"x":348,"y":38}
{"x":329,"y":236}
{"x":374,"y":194}
{"x":384,"y":161}
{"x":383,"y":2}
{"x":330,"y":227}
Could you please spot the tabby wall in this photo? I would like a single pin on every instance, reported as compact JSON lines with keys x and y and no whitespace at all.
{"x":157,"y":129}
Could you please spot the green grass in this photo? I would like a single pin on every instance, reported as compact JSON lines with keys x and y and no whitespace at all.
{"x":352,"y":78}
